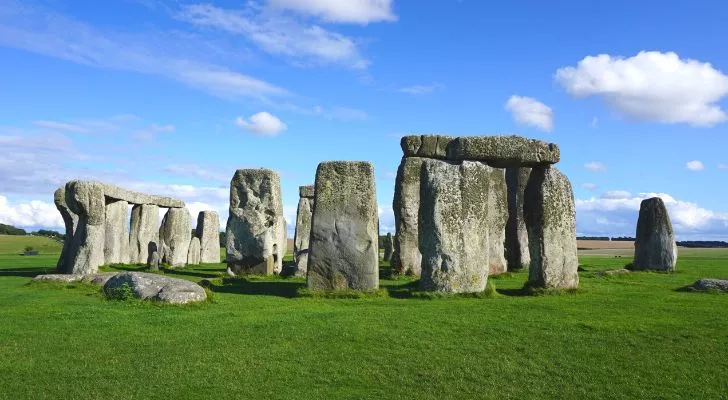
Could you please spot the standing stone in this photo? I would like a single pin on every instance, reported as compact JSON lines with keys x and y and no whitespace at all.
{"x":116,"y":250}
{"x":406,"y":257}
{"x":551,"y":222}
{"x":208,"y":232}
{"x":303,"y":229}
{"x":344,"y":232}
{"x":388,"y":246}
{"x":453,"y":226}
{"x":282,"y":245}
{"x":174,"y":236}
{"x":70,"y":220}
{"x":654,"y":246}
{"x":516,"y":232}
{"x":144,"y":232}
{"x":86,"y":250}
{"x":193,"y":253}
{"x":255,"y":223}
{"x":497,"y":218}
{"x":153,"y":260}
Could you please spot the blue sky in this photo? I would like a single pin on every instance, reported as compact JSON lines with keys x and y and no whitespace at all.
{"x":171,"y":96}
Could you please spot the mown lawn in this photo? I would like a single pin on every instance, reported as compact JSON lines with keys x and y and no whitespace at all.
{"x":627,"y":336}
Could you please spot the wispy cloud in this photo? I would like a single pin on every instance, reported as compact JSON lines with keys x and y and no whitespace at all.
{"x":421,"y":89}
{"x":350,"y":11}
{"x":595,"y":166}
{"x":694,"y":165}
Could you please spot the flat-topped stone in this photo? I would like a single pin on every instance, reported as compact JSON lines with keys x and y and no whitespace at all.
{"x":503,"y":151}
{"x":428,"y":146}
{"x":133,"y":197}
{"x":156,"y":287}
{"x":96,"y":279}
{"x":306,"y":191}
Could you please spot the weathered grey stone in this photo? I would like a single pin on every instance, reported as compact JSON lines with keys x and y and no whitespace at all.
{"x":429,"y":146}
{"x":174,"y":236}
{"x":144,"y":232}
{"x":388,"y":247}
{"x":711,"y":284}
{"x":344,"y":234}
{"x":86,"y":250}
{"x":153,"y":260}
{"x":517,"y":253}
{"x":497,"y":218}
{"x":156,"y":287}
{"x":282,"y":247}
{"x":255,"y":223}
{"x":116,"y":249}
{"x":96,"y":279}
{"x":130,"y":196}
{"x":551,"y":222}
{"x":99,"y":279}
{"x":503,"y":151}
{"x":307,"y":191}
{"x":406,"y":257}
{"x":453,"y":226}
{"x":654,"y":246}
{"x":208,"y":230}
{"x":193,"y":253}
{"x":303,"y":230}
{"x":70,"y":220}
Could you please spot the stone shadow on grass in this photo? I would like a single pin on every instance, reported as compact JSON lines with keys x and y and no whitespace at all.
{"x":26,"y":272}
{"x":241,"y":285}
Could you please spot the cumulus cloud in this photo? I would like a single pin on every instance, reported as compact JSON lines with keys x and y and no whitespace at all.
{"x":595,"y":166}
{"x":262,"y":123}
{"x":529,"y":111}
{"x":33,"y":214}
{"x":695,"y":165}
{"x":386,"y":219}
{"x":616,"y":195}
{"x":651,"y":86}
{"x":351,"y":11}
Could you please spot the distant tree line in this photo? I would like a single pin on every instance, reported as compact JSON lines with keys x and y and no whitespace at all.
{"x":702,"y":243}
{"x":623,"y":239}
{"x":605,"y":238}
{"x":11,"y":230}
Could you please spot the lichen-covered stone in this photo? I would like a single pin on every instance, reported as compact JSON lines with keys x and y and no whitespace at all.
{"x":70,"y":220}
{"x":344,"y":251}
{"x":86,"y":251}
{"x":497,"y":218}
{"x":503,"y":151}
{"x":654,"y":246}
{"x":208,"y":231}
{"x":428,"y":146}
{"x":406,"y":257}
{"x":144,"y":235}
{"x":303,"y":230}
{"x":193,"y":252}
{"x":551,"y":222}
{"x":255,"y":223}
{"x":154,"y":287}
{"x":517,"y":253}
{"x":116,"y":249}
{"x":132,"y":197}
{"x":307,"y":191}
{"x":388,"y":246}
{"x":453,"y":226}
{"x":707,"y":284}
{"x":174,"y":236}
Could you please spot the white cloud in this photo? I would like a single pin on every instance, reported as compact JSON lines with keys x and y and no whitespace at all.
{"x":616,"y":195}
{"x":421,"y":89}
{"x":262,"y":123}
{"x":695,"y":165}
{"x":589,"y":186}
{"x":386,"y":219}
{"x":529,"y":111}
{"x":651,"y":86}
{"x":595,"y":166}
{"x":34,"y":214}
{"x":351,"y":11}
{"x":60,"y":126}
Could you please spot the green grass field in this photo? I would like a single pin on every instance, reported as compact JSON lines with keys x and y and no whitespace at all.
{"x":628,"y":336}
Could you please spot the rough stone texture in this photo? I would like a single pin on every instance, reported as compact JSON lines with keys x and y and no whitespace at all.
{"x":86,"y":250}
{"x":344,"y":233}
{"x":146,"y":286}
{"x":551,"y":222}
{"x":303,"y":230}
{"x":96,"y":279}
{"x":497,"y":218}
{"x":429,"y":146}
{"x":144,"y":232}
{"x":503,"y":151}
{"x":153,"y":260}
{"x":255,"y":223}
{"x":453,"y":226}
{"x":307,"y":191}
{"x":654,"y":246}
{"x":174,"y":236}
{"x":282,"y":245}
{"x":193,"y":253}
{"x":117,"y":193}
{"x":517,"y":253}
{"x":406,"y":257}
{"x":208,"y":232}
{"x":116,"y":249}
{"x":711,"y":284}
{"x":70,"y":220}
{"x":388,"y":247}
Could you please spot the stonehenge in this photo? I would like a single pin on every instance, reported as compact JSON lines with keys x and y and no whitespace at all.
{"x":517,"y":252}
{"x":497,"y":219}
{"x":193,"y":253}
{"x":406,"y":257}
{"x":344,"y":246}
{"x":303,"y":229}
{"x":654,"y":246}
{"x":99,"y":230}
{"x":208,"y":233}
{"x":388,"y":247}
{"x":256,"y":230}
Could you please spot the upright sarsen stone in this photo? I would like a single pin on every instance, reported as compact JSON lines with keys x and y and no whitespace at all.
{"x":193,"y":253}
{"x":497,"y":218}
{"x":86,"y":251}
{"x":303,"y":229}
{"x":388,"y":245}
{"x":70,"y":220}
{"x":453,"y":226}
{"x":517,"y":252}
{"x":208,"y":232}
{"x":551,"y":222}
{"x":144,"y":235}
{"x":255,"y":224}
{"x":344,"y":251}
{"x":654,"y":246}
{"x":406,"y":257}
{"x":174,"y":236}
{"x":116,"y":250}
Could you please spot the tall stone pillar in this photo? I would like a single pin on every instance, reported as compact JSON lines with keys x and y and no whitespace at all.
{"x":303,"y":228}
{"x":116,"y":249}
{"x":144,"y":236}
